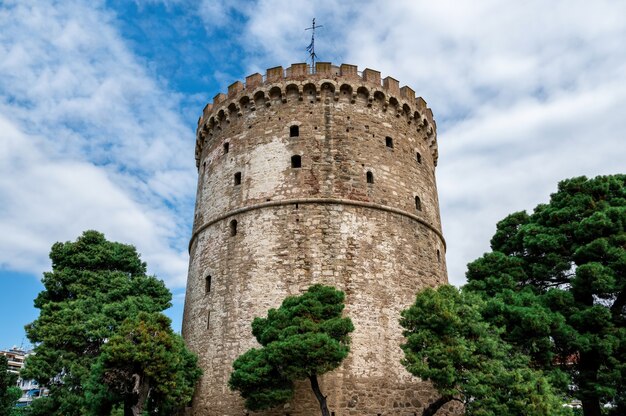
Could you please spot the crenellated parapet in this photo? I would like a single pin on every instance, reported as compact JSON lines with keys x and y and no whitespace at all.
{"x":326,"y":81}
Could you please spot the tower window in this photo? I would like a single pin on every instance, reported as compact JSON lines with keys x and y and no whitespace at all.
{"x":370,"y":177}
{"x":208,"y":319}
{"x":294,"y":131}
{"x":389,"y":142}
{"x":233,"y":228}
{"x":296,"y":161}
{"x":226,"y":147}
{"x":439,"y":256}
{"x":237,"y":178}
{"x":207,"y":283}
{"x":418,"y":157}
{"x":418,"y":203}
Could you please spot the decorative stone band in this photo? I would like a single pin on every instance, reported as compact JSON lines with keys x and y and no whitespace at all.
{"x":333,"y":201}
{"x":301,"y":81}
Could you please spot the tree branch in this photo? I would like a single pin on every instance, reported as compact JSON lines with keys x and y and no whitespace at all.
{"x":619,"y":304}
{"x":436,"y":405}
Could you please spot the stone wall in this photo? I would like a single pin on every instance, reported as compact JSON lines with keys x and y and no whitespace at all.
{"x":322,"y":222}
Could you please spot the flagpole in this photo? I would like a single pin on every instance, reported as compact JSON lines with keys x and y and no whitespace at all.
{"x":311,"y":47}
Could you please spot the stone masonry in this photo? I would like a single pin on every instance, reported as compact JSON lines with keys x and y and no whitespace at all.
{"x":324,"y":176}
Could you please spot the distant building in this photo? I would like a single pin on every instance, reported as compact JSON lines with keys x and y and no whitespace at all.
{"x":31,"y":390}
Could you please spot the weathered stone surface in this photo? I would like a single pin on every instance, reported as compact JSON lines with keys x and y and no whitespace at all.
{"x":320,"y":223}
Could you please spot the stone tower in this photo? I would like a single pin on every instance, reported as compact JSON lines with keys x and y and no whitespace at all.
{"x":324,"y":176}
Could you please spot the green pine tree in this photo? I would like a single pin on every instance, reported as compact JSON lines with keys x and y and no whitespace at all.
{"x":556,"y":283}
{"x":9,"y":392}
{"x":93,"y":287}
{"x":449,"y":343}
{"x":144,"y":365}
{"x":303,"y":339}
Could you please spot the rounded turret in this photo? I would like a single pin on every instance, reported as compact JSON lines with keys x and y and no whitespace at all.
{"x":324,"y":176}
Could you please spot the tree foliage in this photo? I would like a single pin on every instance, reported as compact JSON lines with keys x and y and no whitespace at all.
{"x":304,"y":338}
{"x":143,"y":365}
{"x":555,"y":282}
{"x":93,"y":287}
{"x":9,"y":392}
{"x":449,"y":343}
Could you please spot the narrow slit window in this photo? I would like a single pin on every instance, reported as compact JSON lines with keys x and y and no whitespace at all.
{"x":208,"y":320}
{"x":418,"y":157}
{"x":389,"y":142}
{"x":233,"y":228}
{"x":370,"y":177}
{"x":226,"y":147}
{"x":439,"y":256}
{"x":294,"y":131}
{"x":418,"y":203}
{"x":237,"y":178}
{"x":296,"y":161}
{"x":207,"y":284}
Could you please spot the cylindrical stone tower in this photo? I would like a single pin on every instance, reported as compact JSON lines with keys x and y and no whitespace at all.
{"x":324,"y":176}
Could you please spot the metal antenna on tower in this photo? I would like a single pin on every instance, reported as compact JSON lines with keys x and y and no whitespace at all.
{"x":311,"y":48}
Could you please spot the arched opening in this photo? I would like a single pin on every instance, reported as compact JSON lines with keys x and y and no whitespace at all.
{"x":296,"y":161}
{"x":226,"y":147}
{"x":237,"y":178}
{"x":362,"y":95}
{"x":232,"y":109}
{"x":294,"y":131}
{"x":233,"y":228}
{"x":207,"y":283}
{"x":346,"y":92}
{"x":379,"y":99}
{"x":389,"y":142}
{"x":370,"y":177}
{"x":418,"y":157}
{"x":418,"y":203}
{"x":393,"y":103}
{"x":259,"y":99}
{"x":275,"y":94}
{"x":309,"y":90}
{"x":244,"y":101}
{"x":292,"y":92}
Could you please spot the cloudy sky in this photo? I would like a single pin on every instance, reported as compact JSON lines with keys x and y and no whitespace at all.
{"x":99,"y":102}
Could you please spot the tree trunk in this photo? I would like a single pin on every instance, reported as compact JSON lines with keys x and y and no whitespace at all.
{"x":320,"y":397}
{"x":588,"y":378}
{"x":128,"y":408}
{"x":436,"y":405}
{"x":140,"y":391}
{"x":591,"y":407}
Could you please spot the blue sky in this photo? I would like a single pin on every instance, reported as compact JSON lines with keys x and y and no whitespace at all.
{"x":99,"y":102}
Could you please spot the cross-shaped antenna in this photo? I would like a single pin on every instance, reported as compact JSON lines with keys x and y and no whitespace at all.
{"x":311,"y":48}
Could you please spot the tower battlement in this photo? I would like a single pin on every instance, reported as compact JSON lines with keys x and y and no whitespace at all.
{"x":298,"y":81}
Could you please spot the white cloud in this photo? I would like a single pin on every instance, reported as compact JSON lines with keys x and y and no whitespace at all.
{"x":89,"y":141}
{"x":525,"y":93}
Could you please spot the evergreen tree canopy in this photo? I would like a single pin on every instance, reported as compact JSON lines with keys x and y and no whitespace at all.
{"x":9,"y":392}
{"x":555,"y":282}
{"x":93,"y":287}
{"x":143,"y":365}
{"x":302,"y":339}
{"x":450,"y":344}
